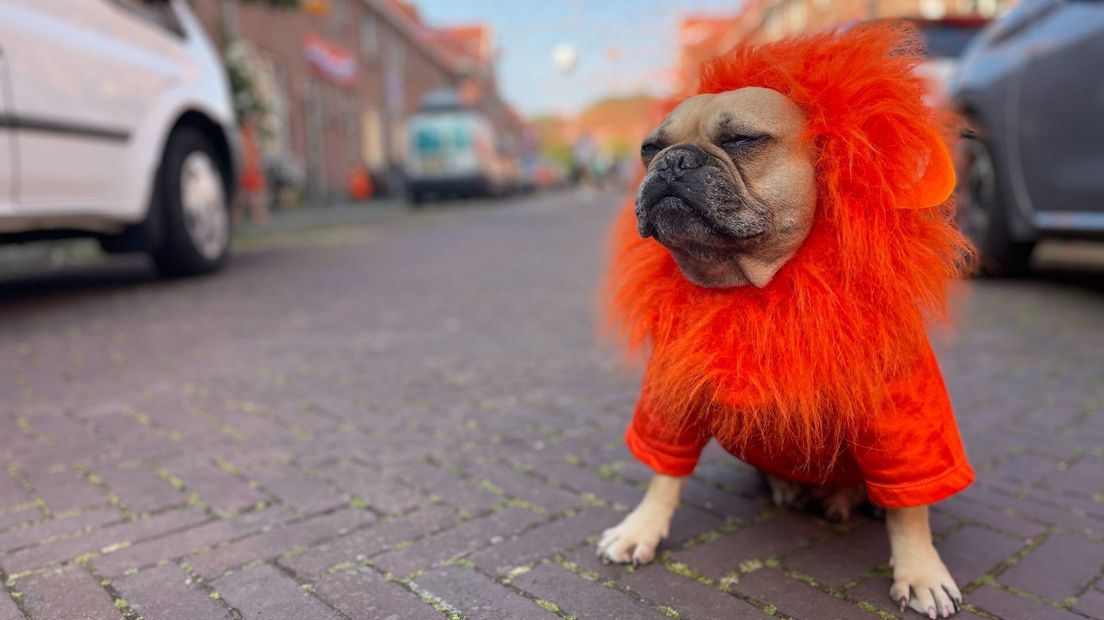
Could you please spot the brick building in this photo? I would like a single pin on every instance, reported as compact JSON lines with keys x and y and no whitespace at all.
{"x":344,"y":75}
{"x":703,"y":37}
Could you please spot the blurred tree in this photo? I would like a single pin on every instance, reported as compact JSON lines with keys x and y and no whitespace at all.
{"x":238,"y":57}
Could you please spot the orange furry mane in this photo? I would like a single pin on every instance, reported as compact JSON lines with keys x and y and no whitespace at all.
{"x":803,"y":359}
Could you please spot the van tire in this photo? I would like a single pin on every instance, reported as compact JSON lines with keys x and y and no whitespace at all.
{"x":195,"y":227}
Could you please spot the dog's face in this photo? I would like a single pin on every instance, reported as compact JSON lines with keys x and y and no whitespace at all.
{"x":729,"y":187}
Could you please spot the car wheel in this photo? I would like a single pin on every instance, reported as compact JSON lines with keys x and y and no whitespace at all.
{"x":983,"y":215}
{"x":193,"y":201}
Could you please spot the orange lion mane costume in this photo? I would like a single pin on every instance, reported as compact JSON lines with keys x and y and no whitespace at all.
{"x":802,"y":363}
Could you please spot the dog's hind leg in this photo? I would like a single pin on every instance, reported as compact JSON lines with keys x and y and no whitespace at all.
{"x":786,"y":493}
{"x":839,"y":503}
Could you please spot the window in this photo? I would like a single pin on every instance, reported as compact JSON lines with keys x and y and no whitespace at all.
{"x":427,"y":140}
{"x":460,"y":138}
{"x":155,"y":12}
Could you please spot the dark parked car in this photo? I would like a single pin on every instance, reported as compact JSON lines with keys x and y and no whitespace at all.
{"x":1031,"y":87}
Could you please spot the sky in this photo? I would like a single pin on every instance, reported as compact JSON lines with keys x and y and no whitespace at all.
{"x":624,"y":46}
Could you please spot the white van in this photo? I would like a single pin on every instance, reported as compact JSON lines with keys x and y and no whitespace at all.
{"x":453,"y":151}
{"x":116,"y":123}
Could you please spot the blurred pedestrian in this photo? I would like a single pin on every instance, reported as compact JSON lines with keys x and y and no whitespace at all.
{"x":253,"y":182}
{"x":360,"y":183}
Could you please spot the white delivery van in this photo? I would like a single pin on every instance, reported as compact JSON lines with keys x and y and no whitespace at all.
{"x":453,"y":151}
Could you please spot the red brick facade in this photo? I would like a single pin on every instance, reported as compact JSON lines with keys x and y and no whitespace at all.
{"x":331,"y":127}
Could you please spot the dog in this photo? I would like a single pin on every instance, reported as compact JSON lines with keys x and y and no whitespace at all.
{"x":788,"y":245}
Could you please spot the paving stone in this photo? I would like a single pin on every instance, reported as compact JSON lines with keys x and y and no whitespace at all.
{"x":431,"y":480}
{"x":141,"y":489}
{"x":19,"y":515}
{"x":83,"y":598}
{"x":224,"y":492}
{"x":298,"y":490}
{"x":1080,"y":477}
{"x":1081,"y":501}
{"x":24,"y":536}
{"x":388,"y":496}
{"x":525,"y":487}
{"x":1058,"y":568}
{"x":11,"y":492}
{"x":476,"y":596}
{"x":544,"y":541}
{"x":875,"y":591}
{"x":8,"y":609}
{"x":167,"y":593}
{"x":580,"y":597}
{"x":64,"y":491}
{"x":686,"y":596}
{"x":460,"y":540}
{"x":272,"y":543}
{"x":845,"y":558}
{"x":763,"y":540}
{"x":1004,"y":605}
{"x":1091,"y":603}
{"x":370,"y":541}
{"x":733,"y":474}
{"x":796,"y":598}
{"x":721,"y":502}
{"x":972,"y":552}
{"x":688,"y":522}
{"x":964,"y":507}
{"x":1020,"y":471}
{"x":586,"y":481}
{"x":193,"y":539}
{"x":111,"y":537}
{"x":363,"y":594}
{"x":264,"y":593}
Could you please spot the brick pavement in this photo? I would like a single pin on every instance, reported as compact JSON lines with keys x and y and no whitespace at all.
{"x":410,"y":419}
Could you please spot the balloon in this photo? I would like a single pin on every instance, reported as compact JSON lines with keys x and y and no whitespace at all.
{"x":564,"y":57}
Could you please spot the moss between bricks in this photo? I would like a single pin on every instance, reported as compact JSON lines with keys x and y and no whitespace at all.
{"x":667,"y":611}
{"x":683,"y":570}
{"x":341,"y":567}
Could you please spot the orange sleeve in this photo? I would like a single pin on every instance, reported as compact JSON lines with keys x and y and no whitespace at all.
{"x":911,"y":454}
{"x":669,"y":451}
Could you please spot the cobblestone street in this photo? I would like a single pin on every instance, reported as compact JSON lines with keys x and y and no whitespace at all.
{"x":409,"y":418}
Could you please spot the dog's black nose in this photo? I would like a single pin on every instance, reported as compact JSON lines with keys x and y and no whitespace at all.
{"x":680,"y":159}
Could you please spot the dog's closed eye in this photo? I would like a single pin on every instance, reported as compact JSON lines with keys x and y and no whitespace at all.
{"x":741,"y":141}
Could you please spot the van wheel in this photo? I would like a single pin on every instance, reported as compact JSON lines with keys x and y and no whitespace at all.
{"x":983,"y":215}
{"x":191,"y":197}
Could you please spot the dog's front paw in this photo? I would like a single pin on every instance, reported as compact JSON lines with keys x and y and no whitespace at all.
{"x":634,"y":539}
{"x":922,"y":583}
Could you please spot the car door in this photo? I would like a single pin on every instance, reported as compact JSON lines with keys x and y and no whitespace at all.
{"x":7,"y":148}
{"x":83,"y":72}
{"x":1060,"y":128}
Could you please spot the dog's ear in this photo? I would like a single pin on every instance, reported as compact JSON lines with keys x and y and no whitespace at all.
{"x":937,"y":174}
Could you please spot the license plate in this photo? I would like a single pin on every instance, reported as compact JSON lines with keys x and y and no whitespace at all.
{"x":433,"y":166}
